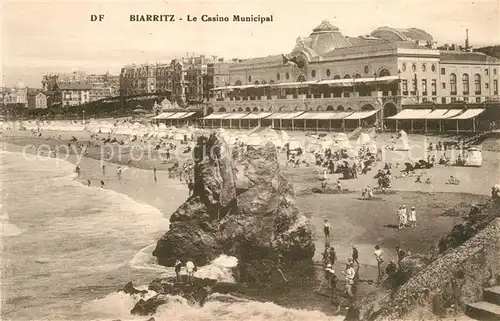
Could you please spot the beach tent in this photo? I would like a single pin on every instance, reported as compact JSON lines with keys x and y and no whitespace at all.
{"x":284,"y":136}
{"x":162,"y":126}
{"x":295,"y":144}
{"x":363,"y":139}
{"x":402,"y":141}
{"x":474,"y":157}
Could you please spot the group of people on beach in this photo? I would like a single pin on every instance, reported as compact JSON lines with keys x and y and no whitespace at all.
{"x":352,"y":266}
{"x":406,"y":218}
{"x":190,"y":270}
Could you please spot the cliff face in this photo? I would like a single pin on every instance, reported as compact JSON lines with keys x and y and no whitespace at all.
{"x":468,"y":262}
{"x":242,"y":206}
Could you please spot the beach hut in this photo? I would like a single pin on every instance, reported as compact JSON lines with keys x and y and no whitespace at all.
{"x":363,"y":139}
{"x":402,"y":141}
{"x":474,"y":157}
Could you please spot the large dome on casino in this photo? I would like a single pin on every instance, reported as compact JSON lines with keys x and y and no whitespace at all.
{"x":397,"y":34}
{"x":325,"y":38}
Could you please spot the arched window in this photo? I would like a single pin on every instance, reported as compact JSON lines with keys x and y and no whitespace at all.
{"x":340,"y":108}
{"x":384,"y":73}
{"x":221,"y":110}
{"x":329,"y":107}
{"x":328,"y":73}
{"x":264,"y":82}
{"x":465,"y":83}
{"x":477,"y":83}
{"x":271,"y":81}
{"x":248,"y":109}
{"x":319,"y":108}
{"x":336,"y":77}
{"x":357,"y":75}
{"x":255,"y":109}
{"x":313,"y":73}
{"x":287,"y":76}
{"x":256,"y":82}
{"x":278,"y":76}
{"x":250,"y":78}
{"x":346,"y":76}
{"x":453,"y":84}
{"x":240,"y":109}
{"x":301,"y":78}
{"x":237,"y":83}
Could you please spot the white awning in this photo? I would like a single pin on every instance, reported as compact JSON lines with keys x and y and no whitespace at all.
{"x":436,"y":114}
{"x":411,"y":114}
{"x":277,"y":115}
{"x":452,"y":113}
{"x":189,"y":114}
{"x":342,"y":114}
{"x":469,"y":113}
{"x":217,"y":116}
{"x":361,"y":114}
{"x":317,"y":115}
{"x":176,"y":115}
{"x":292,"y":115}
{"x":295,"y":84}
{"x":236,"y":116}
{"x":333,"y":82}
{"x":256,"y":116}
{"x":163,"y":115}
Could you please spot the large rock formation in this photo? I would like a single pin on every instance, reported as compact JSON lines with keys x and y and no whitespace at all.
{"x":242,"y":206}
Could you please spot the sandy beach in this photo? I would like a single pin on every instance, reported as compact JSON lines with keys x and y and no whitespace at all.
{"x":363,"y":223}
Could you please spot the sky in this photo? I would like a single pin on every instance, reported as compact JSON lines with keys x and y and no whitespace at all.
{"x":41,"y":36}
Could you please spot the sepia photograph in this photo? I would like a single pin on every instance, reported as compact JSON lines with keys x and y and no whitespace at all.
{"x":224,"y":160}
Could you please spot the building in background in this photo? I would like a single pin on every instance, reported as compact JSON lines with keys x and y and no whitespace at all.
{"x":68,"y":95}
{"x":17,"y":95}
{"x":185,"y":78}
{"x":381,"y":71}
{"x":102,"y":85}
{"x":37,"y":100}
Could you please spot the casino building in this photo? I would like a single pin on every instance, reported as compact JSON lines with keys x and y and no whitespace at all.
{"x":329,"y":82}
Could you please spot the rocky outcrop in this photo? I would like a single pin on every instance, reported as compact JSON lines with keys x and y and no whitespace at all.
{"x":242,"y":205}
{"x":455,"y":278}
{"x":169,"y":290}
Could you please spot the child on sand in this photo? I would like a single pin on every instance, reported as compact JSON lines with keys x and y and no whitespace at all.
{"x":412,"y":218}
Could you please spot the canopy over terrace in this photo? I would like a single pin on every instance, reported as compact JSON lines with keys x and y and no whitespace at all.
{"x":410,"y":114}
{"x":469,"y":114}
{"x":316,"y":88}
{"x":216,"y":117}
{"x":234,"y":116}
{"x":321,"y":116}
{"x":179,"y":117}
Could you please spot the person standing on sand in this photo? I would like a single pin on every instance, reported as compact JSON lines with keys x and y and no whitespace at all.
{"x":154,"y":174}
{"x":332,"y":255}
{"x":103,"y":167}
{"x":412,"y":218}
{"x":401,"y":255}
{"x":350,"y":274}
{"x":355,"y":255}
{"x":102,"y":184}
{"x":119,"y":172}
{"x":177,"y":267}
{"x":326,"y":230}
{"x":378,"y":256}
{"x":88,"y":182}
{"x":401,"y":217}
{"x":190,"y":271}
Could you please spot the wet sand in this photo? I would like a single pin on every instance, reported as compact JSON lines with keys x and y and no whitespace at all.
{"x":354,"y":221}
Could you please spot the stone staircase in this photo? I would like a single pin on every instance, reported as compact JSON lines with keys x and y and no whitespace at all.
{"x":489,"y":308}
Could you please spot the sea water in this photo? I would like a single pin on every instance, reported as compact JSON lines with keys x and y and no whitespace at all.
{"x":68,"y":248}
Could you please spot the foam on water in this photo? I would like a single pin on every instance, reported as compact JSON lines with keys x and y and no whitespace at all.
{"x":81,"y":252}
{"x":219,"y":307}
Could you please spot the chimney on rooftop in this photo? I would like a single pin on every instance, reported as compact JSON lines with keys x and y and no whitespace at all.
{"x":466,"y":39}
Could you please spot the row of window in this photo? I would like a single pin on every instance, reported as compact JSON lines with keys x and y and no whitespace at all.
{"x":486,"y":71}
{"x":414,"y":67}
{"x":382,"y":73}
{"x":404,"y":86}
